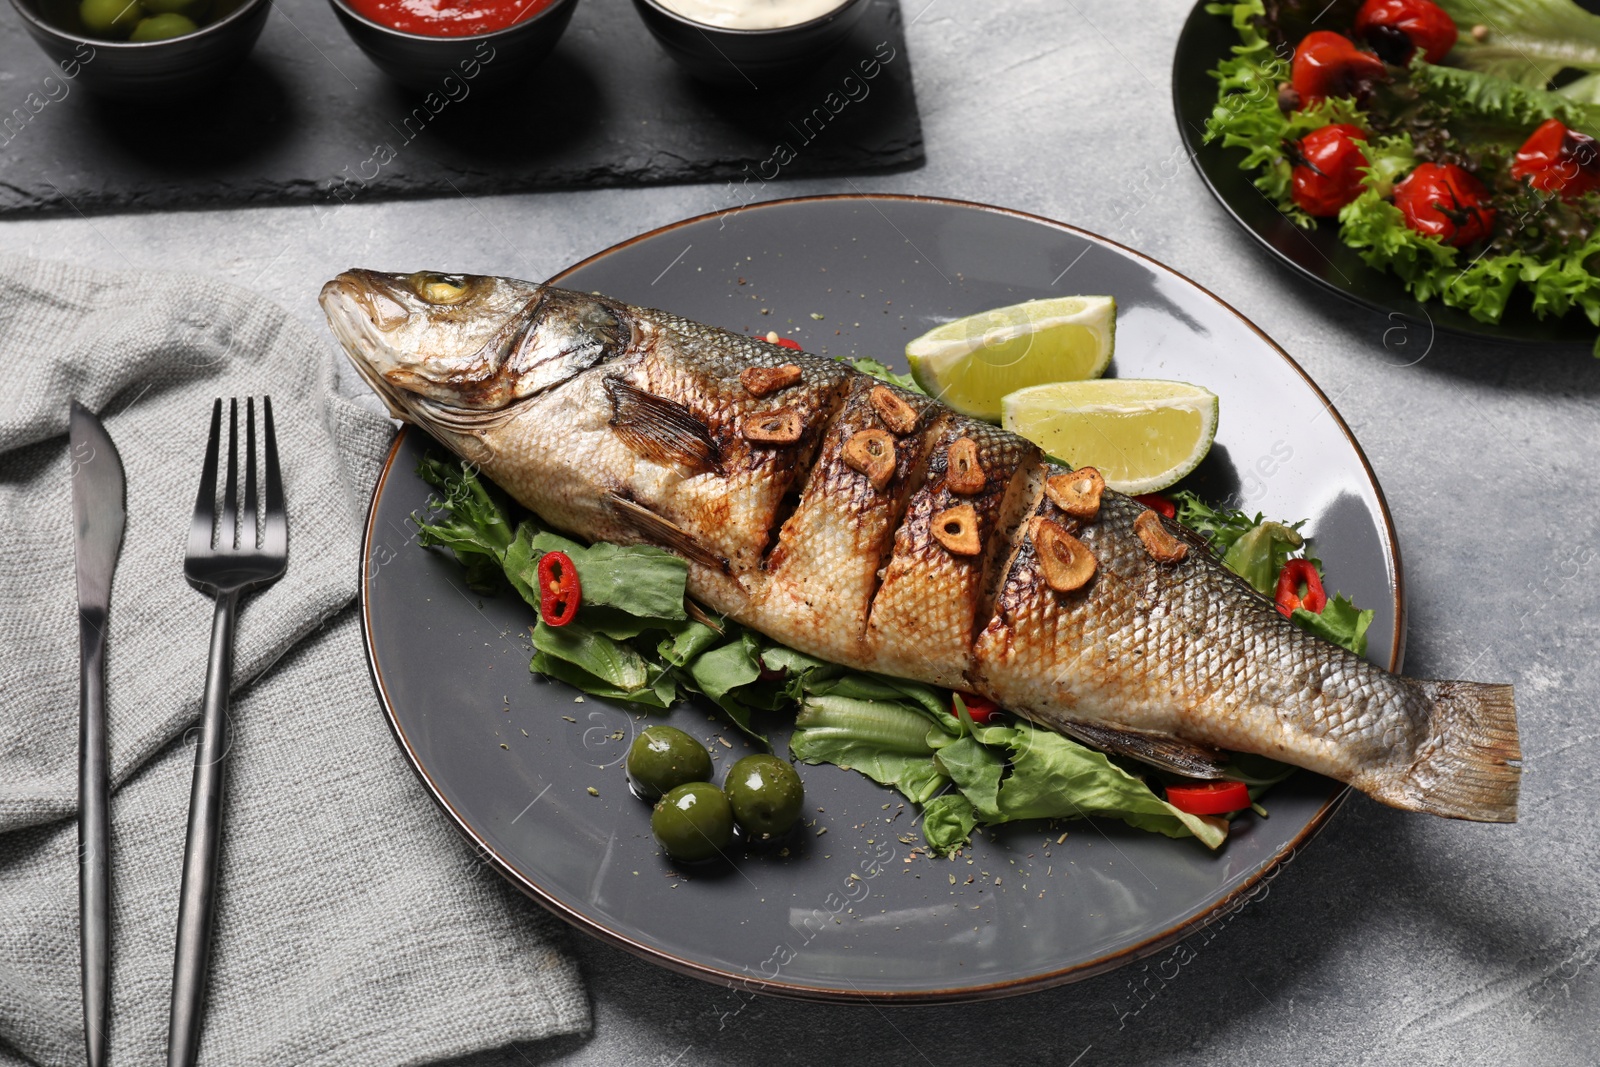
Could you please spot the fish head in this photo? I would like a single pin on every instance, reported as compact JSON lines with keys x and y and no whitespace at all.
{"x":456,"y":352}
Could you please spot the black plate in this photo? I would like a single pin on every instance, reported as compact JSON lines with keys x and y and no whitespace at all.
{"x":510,"y":757}
{"x":1318,"y":253}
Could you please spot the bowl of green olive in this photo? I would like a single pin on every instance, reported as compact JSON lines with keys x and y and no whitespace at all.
{"x":154,"y":50}
{"x":694,"y":821}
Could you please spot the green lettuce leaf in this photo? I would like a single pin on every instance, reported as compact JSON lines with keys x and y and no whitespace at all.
{"x":1053,"y":777}
{"x":947,"y":822}
{"x":885,"y":740}
{"x":616,"y":663}
{"x":475,"y":524}
{"x":1260,"y":554}
{"x":1529,"y":41}
{"x":1340,"y":621}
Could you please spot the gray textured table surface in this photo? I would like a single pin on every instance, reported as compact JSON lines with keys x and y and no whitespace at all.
{"x":1393,"y":938}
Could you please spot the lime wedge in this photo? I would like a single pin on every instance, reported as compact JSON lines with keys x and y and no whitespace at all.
{"x":1142,"y":434}
{"x":972,"y":362}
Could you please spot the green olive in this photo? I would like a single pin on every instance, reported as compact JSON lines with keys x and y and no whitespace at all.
{"x":664,"y":757}
{"x":693,"y":822}
{"x":766,"y":796}
{"x":162,"y":27}
{"x":110,"y":18}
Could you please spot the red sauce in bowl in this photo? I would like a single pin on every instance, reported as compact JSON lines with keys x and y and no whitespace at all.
{"x":448,"y":18}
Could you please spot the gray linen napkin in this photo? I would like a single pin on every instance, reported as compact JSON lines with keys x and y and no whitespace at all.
{"x":353,"y":926}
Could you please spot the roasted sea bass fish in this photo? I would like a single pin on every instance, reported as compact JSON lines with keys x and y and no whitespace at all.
{"x":879,"y":529}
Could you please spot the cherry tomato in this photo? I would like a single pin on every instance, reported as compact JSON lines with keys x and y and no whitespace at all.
{"x":1209,"y":798}
{"x":1555,"y":159}
{"x":981,"y":709}
{"x":1327,"y":169}
{"x":1327,"y":64}
{"x":1397,"y":28}
{"x":1446,"y":202}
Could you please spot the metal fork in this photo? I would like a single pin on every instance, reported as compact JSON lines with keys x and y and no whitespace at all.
{"x":228,"y":555}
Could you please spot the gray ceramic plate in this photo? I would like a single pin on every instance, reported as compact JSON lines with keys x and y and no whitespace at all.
{"x":844,"y":915}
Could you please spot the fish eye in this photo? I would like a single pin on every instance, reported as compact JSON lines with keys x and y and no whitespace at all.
{"x":440,"y":288}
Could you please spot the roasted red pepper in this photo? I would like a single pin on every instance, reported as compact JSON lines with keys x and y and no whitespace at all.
{"x":1159,"y":504}
{"x":1327,"y":169}
{"x":1327,"y":64}
{"x":981,"y":709}
{"x":1397,"y":28}
{"x":1295,"y":573}
{"x":1209,"y":798}
{"x":1555,"y":159}
{"x":559,"y":589}
{"x":1446,"y":202}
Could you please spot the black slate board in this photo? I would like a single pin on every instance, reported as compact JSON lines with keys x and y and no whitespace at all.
{"x":309,"y":118}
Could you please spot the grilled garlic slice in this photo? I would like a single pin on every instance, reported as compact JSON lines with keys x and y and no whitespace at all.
{"x":1077,"y":493}
{"x":872,"y":453}
{"x":1158,"y":541}
{"x":957,"y":530}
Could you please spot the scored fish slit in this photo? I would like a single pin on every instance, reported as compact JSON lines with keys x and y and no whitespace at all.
{"x":915,"y":479}
{"x":805,"y":466}
{"x":1021,"y":501}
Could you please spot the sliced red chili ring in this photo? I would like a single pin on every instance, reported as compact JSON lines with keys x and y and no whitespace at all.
{"x":559,"y":589}
{"x":1209,"y":798}
{"x":982,"y":709}
{"x":1295,"y":573}
{"x":1159,"y":504}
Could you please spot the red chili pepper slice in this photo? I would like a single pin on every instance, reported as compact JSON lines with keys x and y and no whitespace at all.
{"x":783,"y":342}
{"x":981,"y":709}
{"x":1160,"y":504}
{"x":559,"y":589}
{"x":1555,"y":159}
{"x":1327,"y":64}
{"x":1209,"y":798}
{"x":1295,"y":573}
{"x":1397,"y":28}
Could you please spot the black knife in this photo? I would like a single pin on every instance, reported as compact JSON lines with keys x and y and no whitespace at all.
{"x":97,"y":519}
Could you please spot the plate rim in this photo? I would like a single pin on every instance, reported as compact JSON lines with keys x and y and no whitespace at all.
{"x":1405,"y":305}
{"x":1212,"y":912}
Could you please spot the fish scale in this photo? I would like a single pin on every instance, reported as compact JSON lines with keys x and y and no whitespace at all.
{"x":1160,"y":660}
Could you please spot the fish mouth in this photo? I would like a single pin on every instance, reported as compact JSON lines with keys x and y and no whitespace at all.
{"x":346,"y":301}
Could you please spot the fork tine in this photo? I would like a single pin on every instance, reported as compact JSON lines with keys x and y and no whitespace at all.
{"x":248,"y":532}
{"x":275,"y":530}
{"x":205,"y":501}
{"x":230,"y":492}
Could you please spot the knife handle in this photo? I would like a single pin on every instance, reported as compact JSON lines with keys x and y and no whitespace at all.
{"x":196,"y":903}
{"x":94,"y":837}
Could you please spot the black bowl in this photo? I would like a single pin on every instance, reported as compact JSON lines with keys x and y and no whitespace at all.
{"x":483,"y":61}
{"x":174,"y":69}
{"x":749,"y":59}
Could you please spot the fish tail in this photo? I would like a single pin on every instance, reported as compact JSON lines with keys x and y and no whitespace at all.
{"x":1469,"y":764}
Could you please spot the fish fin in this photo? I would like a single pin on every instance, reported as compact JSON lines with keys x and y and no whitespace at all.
{"x":661,"y":429}
{"x":1470,"y":764}
{"x":666,"y":533}
{"x":1166,"y":751}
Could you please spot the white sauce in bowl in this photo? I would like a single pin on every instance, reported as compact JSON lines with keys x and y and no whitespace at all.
{"x":751,"y":14}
